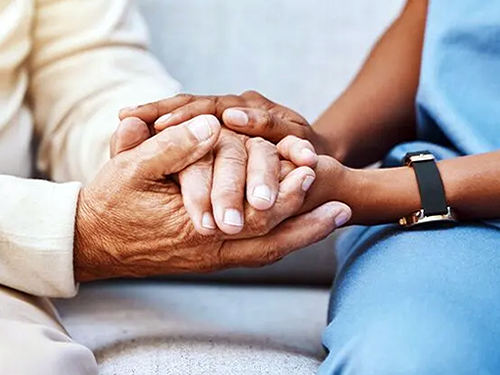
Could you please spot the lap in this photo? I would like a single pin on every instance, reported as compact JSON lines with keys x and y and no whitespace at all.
{"x":421,"y":301}
{"x":33,"y":341}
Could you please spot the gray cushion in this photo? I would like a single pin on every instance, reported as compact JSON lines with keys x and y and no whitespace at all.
{"x":300,"y":53}
{"x":163,"y":328}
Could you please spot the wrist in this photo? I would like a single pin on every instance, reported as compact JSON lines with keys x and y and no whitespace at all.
{"x":383,"y":195}
{"x":323,"y":143}
{"x":87,"y":241}
{"x":332,"y":132}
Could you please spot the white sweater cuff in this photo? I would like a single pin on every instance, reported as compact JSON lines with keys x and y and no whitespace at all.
{"x":37,"y":221}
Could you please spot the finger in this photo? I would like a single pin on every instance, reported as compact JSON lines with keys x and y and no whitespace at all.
{"x":261,"y":123}
{"x":175,"y":148}
{"x":201,"y":106}
{"x":291,"y":196}
{"x":263,"y":173}
{"x":196,"y":186}
{"x":130,"y":133}
{"x":298,"y":151}
{"x":150,"y":112}
{"x":229,"y":178}
{"x":210,"y":105}
{"x":293,"y":234}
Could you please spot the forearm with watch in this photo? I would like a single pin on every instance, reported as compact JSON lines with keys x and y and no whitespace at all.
{"x":376,"y":113}
{"x":379,"y":196}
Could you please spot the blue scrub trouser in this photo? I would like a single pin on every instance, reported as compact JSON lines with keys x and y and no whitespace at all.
{"x":419,"y":302}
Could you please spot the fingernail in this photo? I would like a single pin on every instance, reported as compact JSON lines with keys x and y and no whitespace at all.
{"x":308,"y":154}
{"x":200,"y":128}
{"x":342,"y":218}
{"x":163,"y":119}
{"x":306,"y":184}
{"x":236,"y":117}
{"x":262,"y":192}
{"x":233,"y":217}
{"x":207,"y":221}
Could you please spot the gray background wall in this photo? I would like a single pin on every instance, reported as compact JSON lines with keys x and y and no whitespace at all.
{"x":299,"y":52}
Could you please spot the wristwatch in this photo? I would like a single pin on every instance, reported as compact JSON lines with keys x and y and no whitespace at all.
{"x":432,"y":195}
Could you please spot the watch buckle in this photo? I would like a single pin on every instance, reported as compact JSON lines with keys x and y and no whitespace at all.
{"x":420,"y":217}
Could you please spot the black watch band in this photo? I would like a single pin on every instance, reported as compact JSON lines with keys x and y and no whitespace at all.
{"x":432,"y":194}
{"x":429,"y":181}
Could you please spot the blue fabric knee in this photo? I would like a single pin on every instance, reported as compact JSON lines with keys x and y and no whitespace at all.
{"x":417,"y":302}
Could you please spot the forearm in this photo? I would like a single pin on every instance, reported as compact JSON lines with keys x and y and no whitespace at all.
{"x":378,"y":196}
{"x":380,"y":103}
{"x":472,"y":187}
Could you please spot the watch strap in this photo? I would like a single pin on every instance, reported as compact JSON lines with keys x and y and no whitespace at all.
{"x":430,"y":184}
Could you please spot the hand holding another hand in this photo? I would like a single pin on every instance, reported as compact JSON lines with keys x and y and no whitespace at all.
{"x":131,"y":220}
{"x":214,"y":188}
{"x":250,"y":113}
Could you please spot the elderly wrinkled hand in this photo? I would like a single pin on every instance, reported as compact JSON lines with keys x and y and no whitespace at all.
{"x":131,"y":220}
{"x":214,"y":188}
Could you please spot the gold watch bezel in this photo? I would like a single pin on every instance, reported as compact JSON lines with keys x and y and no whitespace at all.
{"x":416,"y":158}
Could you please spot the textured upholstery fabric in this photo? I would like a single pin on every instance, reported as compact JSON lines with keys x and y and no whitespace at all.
{"x":152,"y":328}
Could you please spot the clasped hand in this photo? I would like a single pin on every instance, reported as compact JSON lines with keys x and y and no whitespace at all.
{"x":135,"y":220}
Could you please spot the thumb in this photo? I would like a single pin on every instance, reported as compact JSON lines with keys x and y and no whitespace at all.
{"x":130,"y":133}
{"x":177,"y":147}
{"x":260,"y":123}
{"x":291,"y":235}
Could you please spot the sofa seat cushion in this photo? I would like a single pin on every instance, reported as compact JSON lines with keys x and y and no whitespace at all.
{"x":154,"y":327}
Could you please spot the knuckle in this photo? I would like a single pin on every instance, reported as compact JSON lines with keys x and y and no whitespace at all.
{"x":208,"y":101}
{"x":190,"y":111}
{"x":251,"y":94}
{"x":292,"y":200}
{"x":217,"y":100}
{"x":228,"y":191}
{"x":221,"y":103}
{"x":265,"y":119}
{"x":236,"y":159}
{"x":232,"y":153}
{"x":185,"y":97}
{"x":258,"y":223}
{"x":302,"y":131}
{"x":258,"y":142}
{"x":272,"y":255}
{"x":166,"y":144}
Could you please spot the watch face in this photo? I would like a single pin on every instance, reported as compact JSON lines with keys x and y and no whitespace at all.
{"x":413,"y":157}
